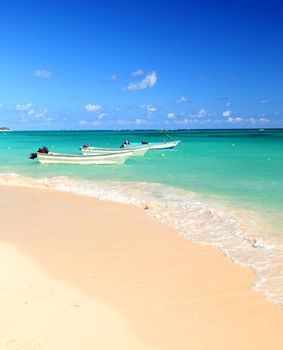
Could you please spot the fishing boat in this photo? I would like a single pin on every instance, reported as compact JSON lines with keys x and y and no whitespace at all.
{"x":138,"y":151}
{"x":163,"y":145}
{"x":99,"y":159}
{"x":153,"y":145}
{"x":168,"y":143}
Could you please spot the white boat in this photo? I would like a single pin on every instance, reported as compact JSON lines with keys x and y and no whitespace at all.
{"x":138,"y":151}
{"x":103,"y":159}
{"x":154,"y":145}
{"x":163,"y":145}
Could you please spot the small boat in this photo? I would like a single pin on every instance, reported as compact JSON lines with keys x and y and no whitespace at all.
{"x":166,"y":144}
{"x":99,"y":159}
{"x":138,"y":151}
{"x":153,"y":145}
{"x":163,"y":145}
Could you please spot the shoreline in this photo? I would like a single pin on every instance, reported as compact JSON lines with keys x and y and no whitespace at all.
{"x":172,"y":292}
{"x":236,"y":231}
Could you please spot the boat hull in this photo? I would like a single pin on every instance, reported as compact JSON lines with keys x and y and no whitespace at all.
{"x":163,"y":145}
{"x":99,"y":159}
{"x":154,"y":145}
{"x":137,"y":151}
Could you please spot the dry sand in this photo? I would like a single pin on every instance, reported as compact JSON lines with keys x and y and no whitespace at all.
{"x":78,"y":273}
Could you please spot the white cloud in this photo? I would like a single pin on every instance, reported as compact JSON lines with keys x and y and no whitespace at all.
{"x":264,"y":120}
{"x":251,"y":120}
{"x":234,"y":120}
{"x":113,"y":77}
{"x":227,"y":114}
{"x":149,"y":108}
{"x":137,"y":73}
{"x":148,"y":82}
{"x":139,"y":121}
{"x":264,"y":101}
{"x":171,"y":115}
{"x":93,"y":122}
{"x":28,"y":113}
{"x":31,"y":111}
{"x":182,"y":99}
{"x":92,"y":108}
{"x":101,"y":115}
{"x":25,"y":107}
{"x":123,"y":122}
{"x":42,"y":73}
{"x":228,"y":104}
{"x":188,"y":121}
{"x":41,"y":114}
{"x":152,"y":109}
{"x":202,"y":112}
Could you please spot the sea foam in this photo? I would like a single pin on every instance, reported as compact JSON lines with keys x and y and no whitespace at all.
{"x":198,"y":218}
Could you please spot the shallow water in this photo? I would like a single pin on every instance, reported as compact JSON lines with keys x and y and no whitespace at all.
{"x":218,"y":187}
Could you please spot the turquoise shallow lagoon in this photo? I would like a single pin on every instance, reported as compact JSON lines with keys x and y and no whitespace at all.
{"x":223,"y":187}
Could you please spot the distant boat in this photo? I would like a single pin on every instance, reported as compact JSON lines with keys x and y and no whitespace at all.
{"x":3,"y":129}
{"x":45,"y":157}
{"x":138,"y":151}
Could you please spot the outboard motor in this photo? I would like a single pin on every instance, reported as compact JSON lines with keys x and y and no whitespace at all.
{"x":40,"y":150}
{"x":33,"y":156}
{"x":126,"y":142}
{"x":43,"y":150}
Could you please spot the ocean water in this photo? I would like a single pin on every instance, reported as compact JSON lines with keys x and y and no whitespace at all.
{"x":220,"y":187}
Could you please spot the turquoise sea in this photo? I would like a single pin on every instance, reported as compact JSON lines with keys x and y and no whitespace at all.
{"x":222,"y":187}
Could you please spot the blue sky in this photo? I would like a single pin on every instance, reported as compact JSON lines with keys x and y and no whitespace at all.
{"x":137,"y":65}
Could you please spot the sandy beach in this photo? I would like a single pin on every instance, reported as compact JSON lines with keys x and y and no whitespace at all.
{"x":79,"y":273}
